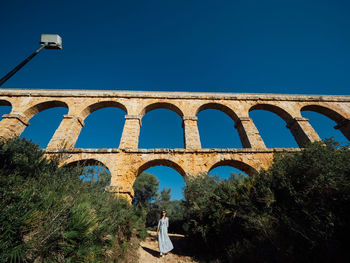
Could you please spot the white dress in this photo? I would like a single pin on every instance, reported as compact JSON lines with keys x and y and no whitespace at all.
{"x":164,"y":241}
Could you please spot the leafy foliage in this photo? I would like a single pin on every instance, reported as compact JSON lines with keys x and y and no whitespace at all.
{"x":50,"y":214}
{"x":297,"y":211}
{"x":150,"y":203}
{"x":145,"y":190}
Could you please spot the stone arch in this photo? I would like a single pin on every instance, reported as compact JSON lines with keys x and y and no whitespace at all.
{"x":286,"y":116}
{"x":89,"y":162}
{"x":227,"y":112}
{"x":220,"y":107}
{"x":343,"y":124}
{"x":5,"y":103}
{"x":86,"y":162}
{"x":146,"y":121}
{"x":236,"y":164}
{"x":162,"y":105}
{"x":295,"y":128}
{"x":330,"y":113}
{"x":99,"y":105}
{"x":32,"y":111}
{"x":162,"y":162}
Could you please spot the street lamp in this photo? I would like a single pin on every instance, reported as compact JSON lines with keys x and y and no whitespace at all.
{"x":48,"y":41}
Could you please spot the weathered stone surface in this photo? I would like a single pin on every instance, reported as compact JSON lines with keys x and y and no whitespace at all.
{"x":131,"y":132}
{"x":127,"y":162}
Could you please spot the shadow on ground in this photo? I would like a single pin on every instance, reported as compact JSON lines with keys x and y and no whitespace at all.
{"x":151,"y":251}
{"x":182,"y":247}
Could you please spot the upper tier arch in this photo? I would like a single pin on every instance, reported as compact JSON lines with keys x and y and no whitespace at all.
{"x":285,"y":115}
{"x":327,"y":111}
{"x":39,"y":107}
{"x":99,"y":105}
{"x":220,"y":107}
{"x":161,"y":105}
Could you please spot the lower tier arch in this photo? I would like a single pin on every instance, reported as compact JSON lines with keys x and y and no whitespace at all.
{"x":163,"y":162}
{"x":236,"y":164}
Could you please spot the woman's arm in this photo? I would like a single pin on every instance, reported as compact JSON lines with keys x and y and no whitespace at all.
{"x":158,"y":227}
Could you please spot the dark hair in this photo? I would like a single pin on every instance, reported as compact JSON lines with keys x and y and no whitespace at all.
{"x":161,"y":213}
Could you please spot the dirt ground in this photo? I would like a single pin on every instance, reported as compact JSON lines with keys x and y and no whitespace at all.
{"x":149,"y":252}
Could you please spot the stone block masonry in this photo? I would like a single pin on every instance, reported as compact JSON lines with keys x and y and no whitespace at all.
{"x":128,"y":161}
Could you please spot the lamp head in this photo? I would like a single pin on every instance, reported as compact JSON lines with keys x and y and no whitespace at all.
{"x":51,"y":41}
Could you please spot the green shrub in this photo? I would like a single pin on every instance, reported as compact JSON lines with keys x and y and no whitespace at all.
{"x":296,"y":211}
{"x":50,"y":214}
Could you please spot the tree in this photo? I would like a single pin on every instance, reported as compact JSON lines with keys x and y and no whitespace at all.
{"x":151,"y":204}
{"x":312,"y":202}
{"x":145,"y":190}
{"x":96,"y":174}
{"x":155,"y":208}
{"x":164,"y":198}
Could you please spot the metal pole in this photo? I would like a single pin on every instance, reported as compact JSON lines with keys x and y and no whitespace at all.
{"x":12,"y":72}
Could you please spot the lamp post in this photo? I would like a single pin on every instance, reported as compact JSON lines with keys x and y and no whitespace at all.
{"x":48,"y":41}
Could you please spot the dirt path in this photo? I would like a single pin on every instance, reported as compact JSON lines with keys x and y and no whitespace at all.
{"x":149,"y":252}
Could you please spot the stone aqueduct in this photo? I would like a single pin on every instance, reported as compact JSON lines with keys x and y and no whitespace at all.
{"x":128,"y":161}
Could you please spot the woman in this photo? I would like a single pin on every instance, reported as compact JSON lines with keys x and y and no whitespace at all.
{"x":164,"y":242}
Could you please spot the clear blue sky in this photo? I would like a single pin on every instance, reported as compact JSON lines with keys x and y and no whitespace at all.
{"x":296,"y":47}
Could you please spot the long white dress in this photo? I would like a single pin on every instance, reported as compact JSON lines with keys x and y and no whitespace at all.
{"x":164,"y":241}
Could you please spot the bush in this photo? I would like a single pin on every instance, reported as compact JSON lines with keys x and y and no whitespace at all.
{"x":51,"y":214}
{"x":296,"y":211}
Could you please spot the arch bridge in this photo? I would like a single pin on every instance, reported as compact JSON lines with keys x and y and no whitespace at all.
{"x":127,"y":161}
